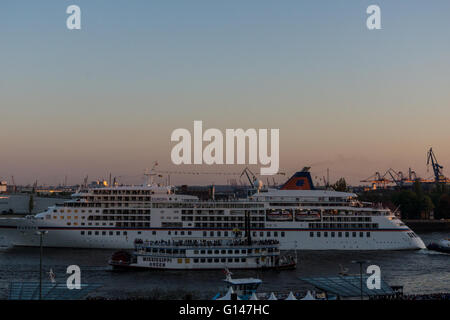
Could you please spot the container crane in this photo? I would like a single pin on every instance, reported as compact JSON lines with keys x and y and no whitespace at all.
{"x":401,"y":180}
{"x":377,"y":181}
{"x":397,"y":177}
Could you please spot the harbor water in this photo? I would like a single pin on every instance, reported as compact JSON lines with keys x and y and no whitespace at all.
{"x":421,"y":271}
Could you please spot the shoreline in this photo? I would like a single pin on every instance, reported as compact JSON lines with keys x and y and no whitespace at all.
{"x":428,"y":225}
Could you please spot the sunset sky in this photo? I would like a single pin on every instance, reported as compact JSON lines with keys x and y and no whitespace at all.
{"x":107,"y":97}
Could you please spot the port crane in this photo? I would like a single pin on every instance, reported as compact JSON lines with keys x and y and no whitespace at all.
{"x":253,"y":180}
{"x":437,"y":168}
{"x":397,"y":177}
{"x":400,"y":179}
{"x":412,"y":175}
{"x":377,"y":180}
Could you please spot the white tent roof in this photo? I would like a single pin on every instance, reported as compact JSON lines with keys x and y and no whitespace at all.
{"x":272,"y":297}
{"x":227,"y":296}
{"x":308,"y":296}
{"x":290,"y":296}
{"x":253,"y":297}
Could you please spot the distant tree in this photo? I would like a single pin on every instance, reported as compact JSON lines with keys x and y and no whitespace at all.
{"x":340,"y":185}
{"x":418,"y":189}
{"x":443,"y":207}
{"x":440,"y":188}
{"x":426,"y":206}
{"x":409,"y":204}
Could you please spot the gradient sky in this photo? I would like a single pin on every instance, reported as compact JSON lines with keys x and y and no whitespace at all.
{"x":106,"y":98}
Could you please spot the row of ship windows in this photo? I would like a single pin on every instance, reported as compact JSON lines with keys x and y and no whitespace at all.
{"x":125,"y":233}
{"x":220,"y":212}
{"x":236,"y":251}
{"x":205,"y":233}
{"x":209,"y":218}
{"x":131,"y":211}
{"x":120,"y":218}
{"x":343,"y":225}
{"x":147,"y":217}
{"x":154,"y":262}
{"x":121,"y":202}
{"x":124,"y":196}
{"x":103,"y":233}
{"x":339,"y":234}
{"x":119,"y":224}
{"x":312,"y":234}
{"x":129,"y":192}
{"x":105,"y":218}
{"x":64,"y":217}
{"x":90,"y":224}
{"x":210,"y":205}
{"x":227,"y":225}
{"x":223,"y":251}
{"x":254,"y":234}
{"x":345,"y":219}
{"x":126,"y":211}
{"x":75,"y":211}
{"x":210,"y":260}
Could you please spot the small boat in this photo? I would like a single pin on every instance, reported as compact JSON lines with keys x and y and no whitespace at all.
{"x":239,"y":289}
{"x":440,"y":246}
{"x":246,"y":289}
{"x":232,"y":253}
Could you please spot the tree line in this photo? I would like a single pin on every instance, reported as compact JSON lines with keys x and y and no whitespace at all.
{"x":413,"y":203}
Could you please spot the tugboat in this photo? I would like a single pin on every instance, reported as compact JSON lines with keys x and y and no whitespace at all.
{"x":440,"y":246}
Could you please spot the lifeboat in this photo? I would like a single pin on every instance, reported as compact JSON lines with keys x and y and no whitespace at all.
{"x":282,"y":215}
{"x":307,"y":216}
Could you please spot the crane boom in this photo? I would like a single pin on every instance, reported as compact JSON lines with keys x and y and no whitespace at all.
{"x":437,"y":168}
{"x":247,"y":171}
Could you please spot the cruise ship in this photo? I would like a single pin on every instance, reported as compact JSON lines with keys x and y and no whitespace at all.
{"x":297,"y":215}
